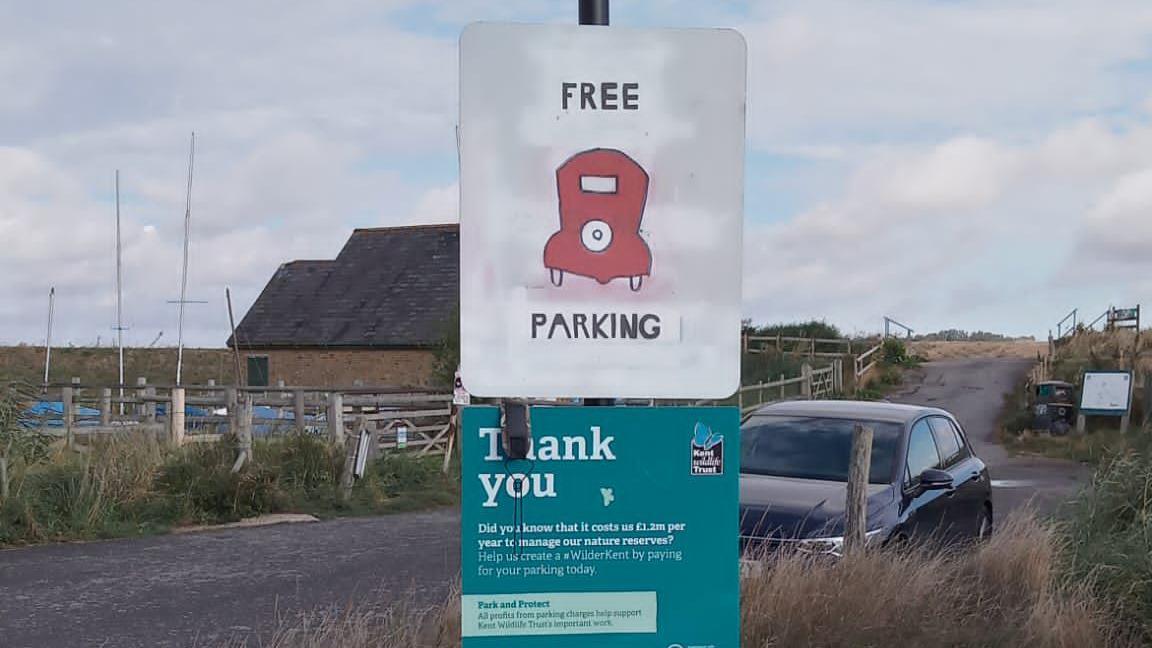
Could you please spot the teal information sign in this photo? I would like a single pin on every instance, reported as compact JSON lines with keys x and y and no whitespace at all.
{"x":621,"y":529}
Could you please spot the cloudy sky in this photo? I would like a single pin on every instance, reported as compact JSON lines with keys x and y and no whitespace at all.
{"x":951,"y":163}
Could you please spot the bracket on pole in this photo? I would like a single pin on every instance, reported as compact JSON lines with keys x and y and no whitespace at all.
{"x":516,"y":424}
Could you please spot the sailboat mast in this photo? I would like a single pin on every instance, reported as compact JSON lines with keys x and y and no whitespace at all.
{"x":184,"y":272}
{"x":119,"y":293}
{"x":48,"y":337}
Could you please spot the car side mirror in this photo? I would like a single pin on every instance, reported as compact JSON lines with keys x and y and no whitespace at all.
{"x":934,"y":479}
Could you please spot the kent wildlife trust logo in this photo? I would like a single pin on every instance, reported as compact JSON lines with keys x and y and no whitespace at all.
{"x":707,"y":451}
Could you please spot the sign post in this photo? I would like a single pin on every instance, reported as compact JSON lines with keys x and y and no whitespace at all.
{"x":601,"y":193}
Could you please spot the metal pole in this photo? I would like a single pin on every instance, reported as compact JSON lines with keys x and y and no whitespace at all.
{"x":48,"y":338}
{"x":119,"y":295}
{"x":184,"y":273}
{"x":593,"y":12}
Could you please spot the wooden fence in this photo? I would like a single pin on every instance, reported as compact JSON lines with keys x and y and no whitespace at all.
{"x":402,"y":419}
{"x":825,"y":382}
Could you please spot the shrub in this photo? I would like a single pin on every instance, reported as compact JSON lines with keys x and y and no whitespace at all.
{"x":894,"y":352}
{"x":303,"y":462}
{"x":200,"y":481}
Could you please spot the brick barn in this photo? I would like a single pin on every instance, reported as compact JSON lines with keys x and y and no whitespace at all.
{"x":373,"y":316}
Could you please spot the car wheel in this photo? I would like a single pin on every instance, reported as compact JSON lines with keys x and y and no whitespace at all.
{"x":984,"y":526}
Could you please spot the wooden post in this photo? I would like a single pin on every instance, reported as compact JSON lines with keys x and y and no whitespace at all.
{"x":232,"y":404}
{"x":176,"y":417}
{"x":150,"y":405}
{"x":1147,"y":399}
{"x":106,"y":406}
{"x":141,"y":409}
{"x":856,"y":506}
{"x":782,"y":395}
{"x":4,"y":479}
{"x":806,"y":386}
{"x":298,"y":411}
{"x":1125,"y":421}
{"x":336,"y":418}
{"x":1081,"y":423}
{"x":69,"y":413}
{"x":247,"y":406}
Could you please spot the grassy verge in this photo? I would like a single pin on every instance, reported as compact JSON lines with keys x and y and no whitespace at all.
{"x":131,"y":485}
{"x":1008,"y":592}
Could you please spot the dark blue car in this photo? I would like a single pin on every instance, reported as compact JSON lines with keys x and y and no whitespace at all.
{"x":925,"y":481}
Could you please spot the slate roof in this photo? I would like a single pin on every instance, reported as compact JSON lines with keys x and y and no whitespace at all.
{"x":388,"y":287}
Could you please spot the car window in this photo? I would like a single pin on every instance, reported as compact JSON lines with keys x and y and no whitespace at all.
{"x":922,"y":453}
{"x":947,"y":440}
{"x":810,"y":447}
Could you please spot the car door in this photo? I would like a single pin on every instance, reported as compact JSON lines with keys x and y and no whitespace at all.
{"x":925,"y":508}
{"x":965,"y":503}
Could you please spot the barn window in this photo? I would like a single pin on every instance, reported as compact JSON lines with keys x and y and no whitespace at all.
{"x":257,"y":371}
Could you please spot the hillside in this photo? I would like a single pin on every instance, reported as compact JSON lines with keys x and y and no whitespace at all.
{"x":99,"y":365}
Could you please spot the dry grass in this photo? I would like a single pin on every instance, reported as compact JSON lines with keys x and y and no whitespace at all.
{"x":958,"y":350}
{"x":1006,"y":592}
{"x":1112,"y":350}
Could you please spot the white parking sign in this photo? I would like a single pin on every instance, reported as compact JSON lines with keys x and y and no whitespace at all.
{"x":601,"y":191}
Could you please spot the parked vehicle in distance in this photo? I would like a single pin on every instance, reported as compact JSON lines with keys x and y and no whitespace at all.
{"x":924,"y":480}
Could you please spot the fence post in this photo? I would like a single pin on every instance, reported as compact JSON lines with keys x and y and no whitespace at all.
{"x":782,"y":395}
{"x":298,"y":411}
{"x":141,"y":408}
{"x":176,"y":417}
{"x":336,"y":418}
{"x":246,"y":408}
{"x":856,"y":507}
{"x":806,"y":386}
{"x":1147,"y":399}
{"x":231,"y":403}
{"x":150,"y":404}
{"x":740,"y":398}
{"x":106,"y":406}
{"x":69,"y":414}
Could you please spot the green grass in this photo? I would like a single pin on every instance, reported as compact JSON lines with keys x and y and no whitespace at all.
{"x":1109,"y":536}
{"x":131,"y":486}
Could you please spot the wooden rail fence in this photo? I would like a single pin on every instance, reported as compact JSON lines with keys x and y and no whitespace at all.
{"x":420,"y":422}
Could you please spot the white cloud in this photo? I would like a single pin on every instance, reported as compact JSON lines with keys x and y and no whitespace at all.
{"x":438,"y":205}
{"x":952,"y":160}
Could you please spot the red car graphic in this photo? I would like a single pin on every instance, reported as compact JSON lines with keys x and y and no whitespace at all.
{"x":602,"y":196}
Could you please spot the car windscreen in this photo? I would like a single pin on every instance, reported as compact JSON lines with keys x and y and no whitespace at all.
{"x":814,"y":447}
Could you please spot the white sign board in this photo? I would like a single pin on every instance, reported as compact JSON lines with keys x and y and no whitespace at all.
{"x":1106,"y":392}
{"x":601,"y":210}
